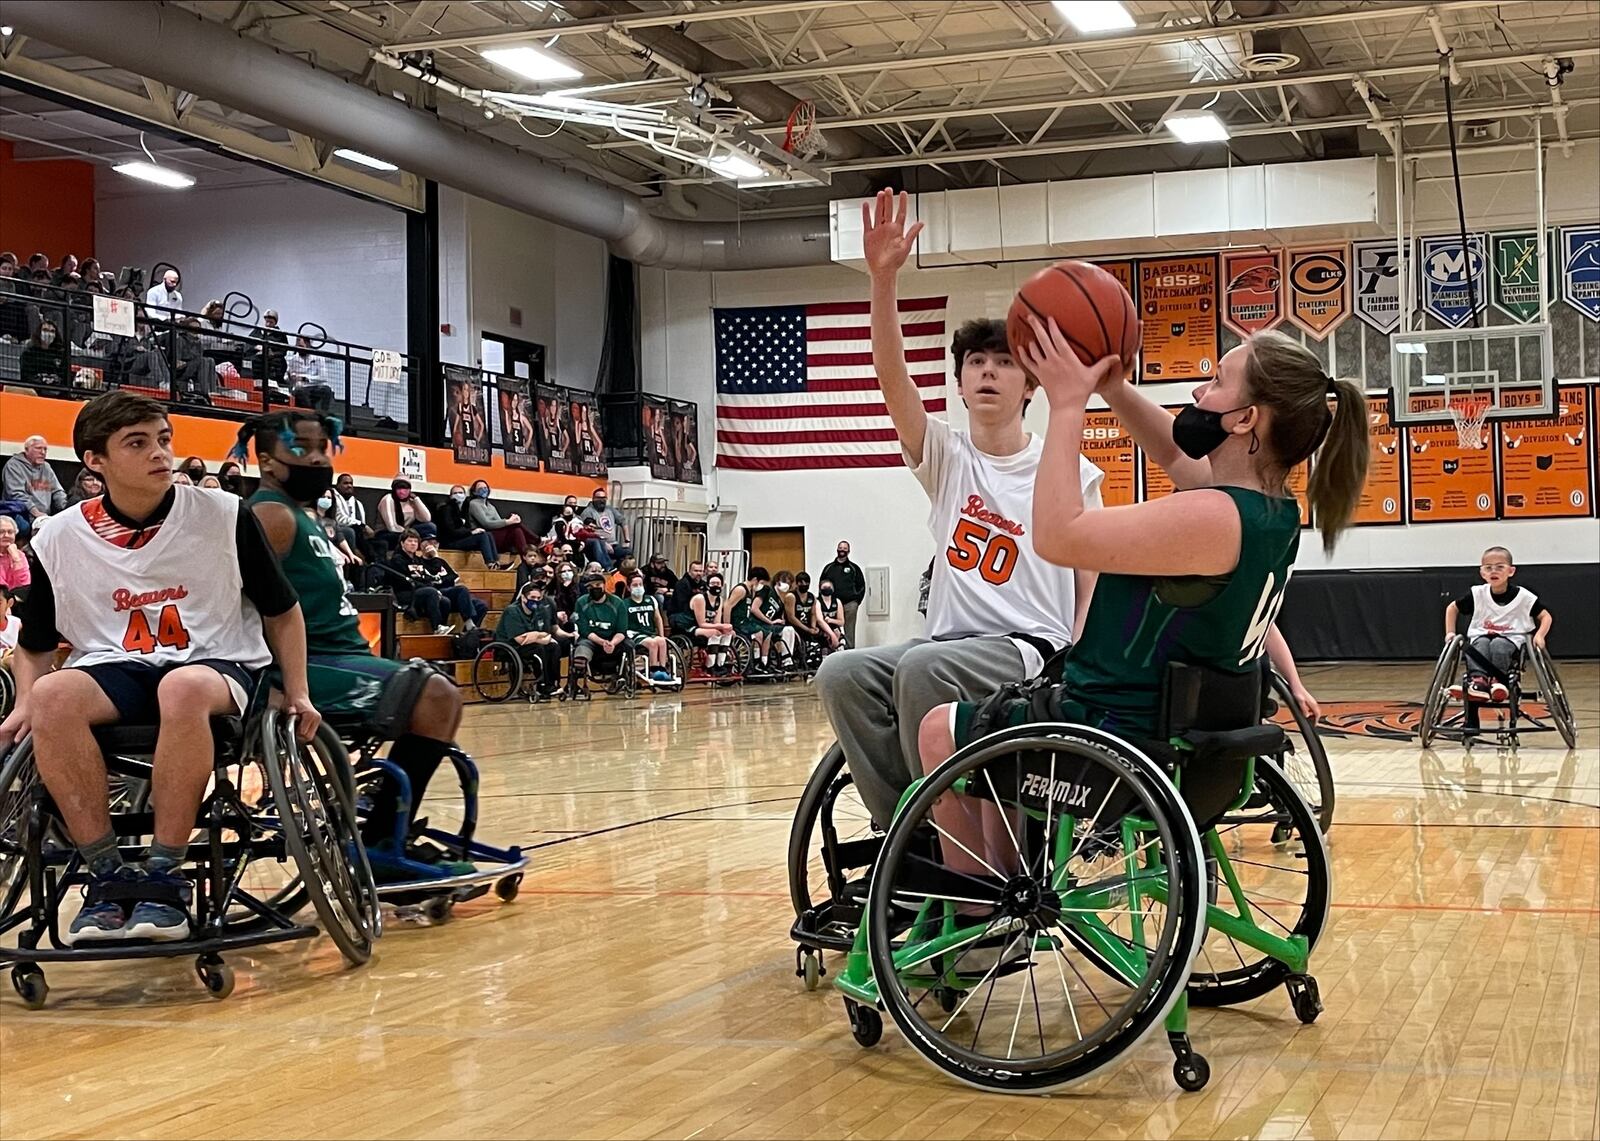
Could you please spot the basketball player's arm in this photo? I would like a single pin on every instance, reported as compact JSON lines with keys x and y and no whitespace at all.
{"x":886,"y":244}
{"x":1150,"y":425}
{"x":36,"y":649}
{"x":1546,"y":619}
{"x":1082,"y":593}
{"x":1452,"y":615}
{"x":1283,"y":661}
{"x":264,"y":584}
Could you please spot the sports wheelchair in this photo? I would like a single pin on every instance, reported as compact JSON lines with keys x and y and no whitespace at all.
{"x":273,"y":805}
{"x":1138,"y":878}
{"x":691,"y":652}
{"x":8,"y":692}
{"x":1512,"y":718}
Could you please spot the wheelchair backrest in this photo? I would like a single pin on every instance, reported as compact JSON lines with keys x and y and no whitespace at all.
{"x":1195,"y":697}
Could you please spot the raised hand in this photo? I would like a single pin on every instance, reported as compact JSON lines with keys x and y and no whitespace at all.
{"x":1056,"y":365}
{"x":884,"y":238}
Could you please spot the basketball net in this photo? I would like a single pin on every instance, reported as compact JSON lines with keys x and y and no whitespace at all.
{"x":801,"y":135}
{"x":1469,"y":412}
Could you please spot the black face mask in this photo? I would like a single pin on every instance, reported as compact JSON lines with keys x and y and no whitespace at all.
{"x":304,"y":483}
{"x":1198,"y":431}
{"x":597,"y":592}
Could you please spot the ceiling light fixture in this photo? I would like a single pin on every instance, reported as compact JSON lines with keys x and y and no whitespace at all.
{"x":364,"y":160}
{"x":1195,"y":127}
{"x":736,"y":165}
{"x":160,"y":175}
{"x":532,"y":63}
{"x":1092,"y":16}
{"x":7,"y":30}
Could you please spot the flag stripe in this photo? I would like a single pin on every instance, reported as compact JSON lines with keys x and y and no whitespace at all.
{"x":858,"y":332}
{"x":791,"y":436}
{"x":805,"y":411}
{"x":856,"y":321}
{"x":870,"y":384}
{"x":865,"y":307}
{"x":808,"y":463}
{"x":821,"y":360}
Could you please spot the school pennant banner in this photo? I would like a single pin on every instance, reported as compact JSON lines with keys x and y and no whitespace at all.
{"x":1452,"y":287}
{"x":1252,"y":291}
{"x":1377,"y":266}
{"x":1514,"y":261}
{"x":1578,"y":248}
{"x":1319,"y":288}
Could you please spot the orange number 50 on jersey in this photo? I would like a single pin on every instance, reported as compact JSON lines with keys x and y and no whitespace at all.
{"x":993,"y":554}
{"x":169,"y":632}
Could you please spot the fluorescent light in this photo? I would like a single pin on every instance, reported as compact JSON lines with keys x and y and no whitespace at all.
{"x":160,"y":175}
{"x":736,"y":165}
{"x":7,"y":30}
{"x":532,"y":63}
{"x":1196,"y":127}
{"x":1091,"y":16}
{"x":364,"y":160}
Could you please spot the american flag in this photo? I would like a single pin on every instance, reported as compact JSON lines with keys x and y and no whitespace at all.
{"x":796,"y":388}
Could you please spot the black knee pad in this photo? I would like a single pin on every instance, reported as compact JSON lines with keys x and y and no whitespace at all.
{"x":1037,"y":699}
{"x":392,"y":715}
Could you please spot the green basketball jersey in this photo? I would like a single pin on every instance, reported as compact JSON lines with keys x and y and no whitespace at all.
{"x":741,"y":609}
{"x":606,"y":617}
{"x":1137,"y":624}
{"x":642,"y":616}
{"x":332,"y":626}
{"x":771,"y":604}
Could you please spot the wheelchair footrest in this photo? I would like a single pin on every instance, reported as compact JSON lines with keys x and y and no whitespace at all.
{"x":144,"y":949}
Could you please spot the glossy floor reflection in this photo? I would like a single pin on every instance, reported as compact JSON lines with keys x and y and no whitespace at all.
{"x":643,"y":984}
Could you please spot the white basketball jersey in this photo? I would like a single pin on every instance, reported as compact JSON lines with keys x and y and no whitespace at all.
{"x":1513,"y":618}
{"x":178,"y":598}
{"x":986,"y":577}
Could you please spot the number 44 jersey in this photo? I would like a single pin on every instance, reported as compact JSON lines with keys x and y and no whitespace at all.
{"x":175,"y":599}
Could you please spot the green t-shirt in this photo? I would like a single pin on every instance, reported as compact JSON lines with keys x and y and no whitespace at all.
{"x":642,"y":616}
{"x":606,"y":617}
{"x":1137,"y":624}
{"x":515,"y":621}
{"x":332,"y":625}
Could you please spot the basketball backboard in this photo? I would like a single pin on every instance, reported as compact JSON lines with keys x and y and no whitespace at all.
{"x":1494,"y":373}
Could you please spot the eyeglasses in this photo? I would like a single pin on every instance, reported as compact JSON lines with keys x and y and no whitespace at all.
{"x":1495,"y":568}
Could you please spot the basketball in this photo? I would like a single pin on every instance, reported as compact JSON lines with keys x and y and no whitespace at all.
{"x":1092,"y":309}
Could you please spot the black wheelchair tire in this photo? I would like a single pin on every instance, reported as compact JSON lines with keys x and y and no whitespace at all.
{"x":497,"y":656}
{"x":1321,"y":794}
{"x":1433,"y":705}
{"x":806,"y":814}
{"x":17,"y":775}
{"x":8,"y":693}
{"x":1553,"y":695}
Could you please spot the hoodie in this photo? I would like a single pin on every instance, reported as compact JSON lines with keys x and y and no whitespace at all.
{"x":33,"y":484}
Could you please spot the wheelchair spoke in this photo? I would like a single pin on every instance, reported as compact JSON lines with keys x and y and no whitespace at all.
{"x":1038,"y":1015}
{"x":967,"y":850}
{"x":1005,"y":818}
{"x":1094,"y":822}
{"x":1081,"y":979}
{"x":1066,"y":993}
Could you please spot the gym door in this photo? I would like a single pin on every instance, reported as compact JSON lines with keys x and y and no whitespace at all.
{"x":776,"y":548}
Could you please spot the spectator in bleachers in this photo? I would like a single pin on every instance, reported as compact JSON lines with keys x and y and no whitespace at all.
{"x":273,"y":351}
{"x":617,"y":580}
{"x":457,"y":533}
{"x":194,"y":467}
{"x":165,"y":292}
{"x":211,"y":481}
{"x":8,"y":263}
{"x":401,"y":510}
{"x":140,"y":361}
{"x":181,"y":478}
{"x":307,"y":383}
{"x":564,"y":593}
{"x":531,"y":564}
{"x":87,"y":485}
{"x":232,"y":477}
{"x":38,"y":262}
{"x":27,"y":478}
{"x":68,"y":267}
{"x":530,"y":625}
{"x":10,"y":627}
{"x":610,"y":541}
{"x":195,"y":372}
{"x":214,"y":341}
{"x":44,"y":359}
{"x":413,"y":586}
{"x":659,"y":578}
{"x":507,"y":530}
{"x":13,"y":309}
{"x":90,"y":271}
{"x":348,"y":511}
{"x":14,"y":571}
{"x":442,"y":576}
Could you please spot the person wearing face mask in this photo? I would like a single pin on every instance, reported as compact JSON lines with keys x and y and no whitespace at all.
{"x":608,"y":539}
{"x":602,"y":628}
{"x":749,"y":612}
{"x":231,"y":476}
{"x":530,"y":625}
{"x":343,"y":538}
{"x":800,"y":610}
{"x":680,"y":616}
{"x":779,"y":599}
{"x":563,"y":528}
{"x":457,"y":533}
{"x":849,"y":586}
{"x":711,"y":626}
{"x":195,"y":468}
{"x":830,"y":620}
{"x":647,"y":629}
{"x":44,"y":358}
{"x":564,"y":593}
{"x":531,"y":564}
{"x":506,"y":531}
{"x":402,"y":509}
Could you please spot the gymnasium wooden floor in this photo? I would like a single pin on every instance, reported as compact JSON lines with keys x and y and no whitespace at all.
{"x":643,"y":984}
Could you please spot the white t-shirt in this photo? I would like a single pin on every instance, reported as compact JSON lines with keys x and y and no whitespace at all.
{"x":1512,"y":618}
{"x":986,"y":577}
{"x":9,"y":629}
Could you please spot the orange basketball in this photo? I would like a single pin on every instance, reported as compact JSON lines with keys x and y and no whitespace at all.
{"x":1092,"y":309}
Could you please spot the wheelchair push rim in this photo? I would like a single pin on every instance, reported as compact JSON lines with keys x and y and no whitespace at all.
{"x":497,"y":672}
{"x":1553,"y":695}
{"x":1438,"y":690}
{"x":1095,"y":845}
{"x":1306,"y":761}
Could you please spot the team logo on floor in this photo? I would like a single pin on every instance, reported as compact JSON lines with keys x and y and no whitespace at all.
{"x":1385,"y":720}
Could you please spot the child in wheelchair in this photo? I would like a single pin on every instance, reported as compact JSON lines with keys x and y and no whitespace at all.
{"x":1501,"y":618}
{"x":157,"y":635}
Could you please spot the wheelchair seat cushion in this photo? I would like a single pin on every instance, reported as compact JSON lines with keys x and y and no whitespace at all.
{"x":140,"y":739}
{"x":1236,"y":744}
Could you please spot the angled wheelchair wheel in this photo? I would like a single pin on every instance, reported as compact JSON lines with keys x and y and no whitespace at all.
{"x":17,"y":779}
{"x":1086,"y":842}
{"x":497,"y":672}
{"x":1306,"y":762}
{"x":1267,"y":863}
{"x":8,"y":693}
{"x":677,"y":662}
{"x":1444,"y":672}
{"x":830,"y":822}
{"x":1551,"y":693}
{"x":740,"y":653}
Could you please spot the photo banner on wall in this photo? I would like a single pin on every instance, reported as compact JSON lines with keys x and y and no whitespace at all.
{"x":1319,"y":288}
{"x":1514,"y":274}
{"x":1545,"y":464}
{"x":1383,"y":495}
{"x":1109,"y":447}
{"x":519,"y":437}
{"x":1578,"y":252}
{"x":1252,"y":290}
{"x":466,"y":415}
{"x":655,"y":426}
{"x":1446,"y":483}
{"x":1178,"y":304}
{"x":1377,"y":269}
{"x":555,"y":429}
{"x":686,"y":440}
{"x":1154,"y":482}
{"x":1452,"y":286}
{"x":590,"y":447}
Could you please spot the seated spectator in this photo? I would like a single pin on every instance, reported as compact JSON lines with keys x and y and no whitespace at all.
{"x":348,"y":511}
{"x":400,"y":511}
{"x":13,"y":310}
{"x":307,"y":381}
{"x":659,"y":578}
{"x":562,"y":523}
{"x":617,"y":580}
{"x":214,"y":339}
{"x":607,"y":541}
{"x":507,"y":530}
{"x":680,"y":615}
{"x":195,"y":373}
{"x":87,"y":485}
{"x":180,"y":478}
{"x":342,"y":537}
{"x":38,"y":263}
{"x":211,"y":481}
{"x":195,"y":468}
{"x":414,"y":589}
{"x":14,"y":571}
{"x":531,"y":565}
{"x":231,"y":476}
{"x":443,"y":578}
{"x":564,"y":593}
{"x":10,"y":628}
{"x":67,"y":268}
{"x":165,"y":292}
{"x":602,"y":626}
{"x":273,"y":348}
{"x":141,"y":361}
{"x":44,"y":359}
{"x":89,"y":270}
{"x":457,"y":532}
{"x":28,"y":479}
{"x":530,"y":625}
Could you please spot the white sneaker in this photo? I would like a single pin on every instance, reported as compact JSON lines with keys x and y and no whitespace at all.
{"x":445,"y":629}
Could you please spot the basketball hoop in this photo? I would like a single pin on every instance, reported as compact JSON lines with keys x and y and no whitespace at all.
{"x":1469,"y":411}
{"x":801,"y":135}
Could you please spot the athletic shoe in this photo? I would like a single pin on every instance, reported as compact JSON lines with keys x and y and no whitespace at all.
{"x":660,"y":675}
{"x":445,"y":629}
{"x":1455,"y":692}
{"x":166,"y":919}
{"x":434,"y":856}
{"x":1498,"y":691}
{"x":1477,"y":688}
{"x":102,"y":920}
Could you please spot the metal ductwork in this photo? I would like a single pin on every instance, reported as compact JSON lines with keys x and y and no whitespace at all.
{"x":180,"y":49}
{"x":1318,"y":100}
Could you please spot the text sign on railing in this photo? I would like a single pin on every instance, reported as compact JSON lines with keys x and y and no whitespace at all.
{"x":386,"y":365}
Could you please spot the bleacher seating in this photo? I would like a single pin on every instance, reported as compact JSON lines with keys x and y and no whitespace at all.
{"x":415,"y":637}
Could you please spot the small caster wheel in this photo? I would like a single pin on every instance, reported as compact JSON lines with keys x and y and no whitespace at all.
{"x":215,"y":975}
{"x":866,"y":1024}
{"x":1305,"y":998}
{"x":811,"y":969}
{"x":28,"y":979}
{"x":507,"y":887}
{"x":949,"y":999}
{"x":1282,"y":833}
{"x":1191,"y":1073}
{"x":438,"y":909}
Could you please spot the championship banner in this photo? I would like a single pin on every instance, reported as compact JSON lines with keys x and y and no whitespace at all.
{"x":1545,"y":470}
{"x":654,"y":425}
{"x":1178,"y":303}
{"x":1578,"y":250}
{"x":1384,"y":491}
{"x":555,"y":429}
{"x":591,"y":448}
{"x":1377,"y":267}
{"x":1123,"y":272}
{"x":1446,"y":483}
{"x":1319,"y":288}
{"x":1514,"y":284}
{"x":519,"y":439}
{"x":1452,"y":286}
{"x":1252,"y":291}
{"x":686,"y":440}
{"x":466,"y":415}
{"x":1154,"y":482}
{"x":1111,"y":450}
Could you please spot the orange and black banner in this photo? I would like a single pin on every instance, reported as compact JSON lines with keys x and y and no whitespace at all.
{"x":1383,"y":495}
{"x":1123,"y":272}
{"x":1154,"y":483}
{"x":1319,"y":288}
{"x":1252,"y":290}
{"x":1546,"y":467}
{"x":1111,"y":449}
{"x":1446,"y":483}
{"x":1178,"y":304}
